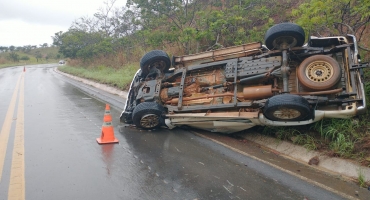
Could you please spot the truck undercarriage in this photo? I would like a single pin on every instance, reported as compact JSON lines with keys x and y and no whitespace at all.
{"x":281,"y":84}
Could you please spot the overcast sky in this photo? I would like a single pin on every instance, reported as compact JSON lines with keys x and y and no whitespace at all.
{"x":33,"y":22}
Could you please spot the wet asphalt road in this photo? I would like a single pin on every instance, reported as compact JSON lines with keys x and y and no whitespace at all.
{"x":51,"y":152}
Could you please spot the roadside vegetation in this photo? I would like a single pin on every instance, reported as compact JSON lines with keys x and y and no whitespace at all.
{"x":119,"y":78}
{"x":108,"y":46}
{"x":14,"y":56}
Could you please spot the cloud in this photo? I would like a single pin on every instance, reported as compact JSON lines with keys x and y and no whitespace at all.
{"x":20,"y":33}
{"x":25,"y":22}
{"x":45,"y":12}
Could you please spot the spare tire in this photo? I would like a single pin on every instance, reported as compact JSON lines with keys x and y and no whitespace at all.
{"x":287,"y":107}
{"x":284,"y":36}
{"x":156,"y":58}
{"x":319,"y":72}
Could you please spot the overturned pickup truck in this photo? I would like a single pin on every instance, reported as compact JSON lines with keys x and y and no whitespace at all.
{"x":281,"y":83}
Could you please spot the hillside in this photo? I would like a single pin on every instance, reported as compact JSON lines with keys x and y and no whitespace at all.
{"x":22,"y":56}
{"x":119,"y":36}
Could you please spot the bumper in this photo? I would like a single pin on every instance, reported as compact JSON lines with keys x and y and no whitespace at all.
{"x":350,"y":111}
{"x":232,"y":124}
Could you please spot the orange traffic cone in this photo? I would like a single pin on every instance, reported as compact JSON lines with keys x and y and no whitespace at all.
{"x":107,"y":132}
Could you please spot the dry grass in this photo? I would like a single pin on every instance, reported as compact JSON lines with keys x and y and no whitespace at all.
{"x":2,"y":61}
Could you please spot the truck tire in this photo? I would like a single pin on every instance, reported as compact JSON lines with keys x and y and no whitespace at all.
{"x":148,"y":115}
{"x":284,"y":36}
{"x":319,"y":72}
{"x":287,"y":107}
{"x":156,"y":58}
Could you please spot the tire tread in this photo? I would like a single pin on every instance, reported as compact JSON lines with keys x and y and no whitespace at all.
{"x":287,"y":100}
{"x":146,"y":108}
{"x":284,"y":29}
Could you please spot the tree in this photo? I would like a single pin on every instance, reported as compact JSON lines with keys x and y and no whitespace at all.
{"x":25,"y":58}
{"x":38,"y":56}
{"x":173,"y":19}
{"x":191,"y":26}
{"x":14,"y":56}
{"x":48,"y":56}
{"x":80,"y":44}
{"x":27,"y":48}
{"x":333,"y":17}
{"x":12,"y":48}
{"x":57,"y":38}
{"x":109,"y":21}
{"x":4,"y":49}
{"x":44,"y":45}
{"x":18,"y":48}
{"x":196,"y":25}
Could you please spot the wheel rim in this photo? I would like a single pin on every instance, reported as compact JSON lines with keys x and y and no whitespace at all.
{"x":284,"y":42}
{"x":161,"y":65}
{"x":286,"y":113}
{"x":319,"y":71}
{"x":149,"y":121}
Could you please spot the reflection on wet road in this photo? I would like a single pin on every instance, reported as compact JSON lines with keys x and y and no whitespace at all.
{"x":62,"y":159}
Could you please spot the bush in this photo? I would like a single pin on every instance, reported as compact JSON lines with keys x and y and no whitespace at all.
{"x":25,"y":58}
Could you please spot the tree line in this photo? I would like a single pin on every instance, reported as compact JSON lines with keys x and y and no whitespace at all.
{"x":25,"y":53}
{"x":192,"y":26}
{"x":25,"y":48}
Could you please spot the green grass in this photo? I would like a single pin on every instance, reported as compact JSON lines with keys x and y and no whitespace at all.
{"x":119,"y":78}
{"x":306,"y":141}
{"x":332,"y":128}
{"x":343,"y":146}
{"x":361,"y":179}
{"x":281,"y":132}
{"x":337,"y":135}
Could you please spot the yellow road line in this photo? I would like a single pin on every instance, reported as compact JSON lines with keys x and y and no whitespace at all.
{"x":5,"y":130}
{"x":17,"y":180}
